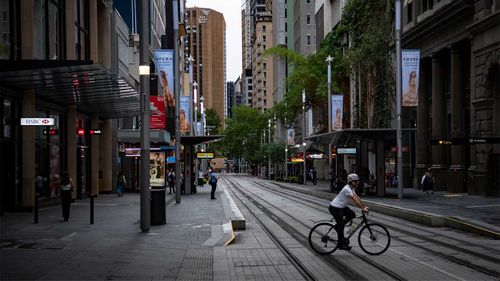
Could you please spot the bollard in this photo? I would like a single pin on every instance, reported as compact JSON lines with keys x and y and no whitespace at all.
{"x":92,"y":196}
{"x":35,"y":208}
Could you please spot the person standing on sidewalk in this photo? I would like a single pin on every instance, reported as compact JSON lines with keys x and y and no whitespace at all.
{"x":66,"y":189}
{"x":213,"y":182}
{"x":314,"y":174}
{"x":120,"y":184}
{"x":201,"y":178}
{"x":171,"y":181}
{"x":428,"y":182}
{"x":339,"y":209}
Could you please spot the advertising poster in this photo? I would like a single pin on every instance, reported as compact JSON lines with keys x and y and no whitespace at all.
{"x":164,"y":60}
{"x":290,"y":136}
{"x":337,"y":111}
{"x":410,"y":68}
{"x":157,"y":168}
{"x":157,"y":119}
{"x":184,"y":114}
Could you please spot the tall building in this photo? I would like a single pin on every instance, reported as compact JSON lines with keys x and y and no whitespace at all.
{"x":279,"y":64}
{"x":206,"y":35}
{"x":262,"y":66}
{"x":230,"y":90}
{"x":304,"y":27}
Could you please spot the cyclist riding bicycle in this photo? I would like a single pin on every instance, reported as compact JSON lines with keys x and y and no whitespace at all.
{"x":339,"y":209}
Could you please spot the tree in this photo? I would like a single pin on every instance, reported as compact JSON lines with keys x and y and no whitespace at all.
{"x":242,"y":134}
{"x":213,"y":121}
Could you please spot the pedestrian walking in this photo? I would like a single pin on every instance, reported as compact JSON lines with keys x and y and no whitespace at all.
{"x":313,"y":174}
{"x":66,"y":189}
{"x":333,"y":178}
{"x":201,"y":178}
{"x":213,"y":182}
{"x":171,"y":181}
{"x":120,"y":184}
{"x":428,"y":182}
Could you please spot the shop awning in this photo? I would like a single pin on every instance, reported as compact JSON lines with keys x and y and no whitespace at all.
{"x":194,"y":140}
{"x":344,"y":136}
{"x":92,"y":87}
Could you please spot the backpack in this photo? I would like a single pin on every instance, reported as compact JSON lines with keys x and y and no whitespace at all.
{"x":171,"y":177}
{"x":213,"y":178}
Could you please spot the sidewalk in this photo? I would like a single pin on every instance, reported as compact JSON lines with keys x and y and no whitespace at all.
{"x":114,"y":246}
{"x":471,"y":213}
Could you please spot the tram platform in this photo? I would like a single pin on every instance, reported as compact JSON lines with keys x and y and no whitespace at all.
{"x":475,"y":214}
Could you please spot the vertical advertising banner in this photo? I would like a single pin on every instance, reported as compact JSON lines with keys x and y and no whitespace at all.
{"x":410,"y":69}
{"x":290,"y":136}
{"x":157,"y":119}
{"x":164,"y":60}
{"x":337,"y":111}
{"x":184,"y":114}
{"x":157,"y":168}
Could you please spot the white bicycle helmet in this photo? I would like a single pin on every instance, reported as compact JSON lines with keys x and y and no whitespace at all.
{"x":352,"y":177}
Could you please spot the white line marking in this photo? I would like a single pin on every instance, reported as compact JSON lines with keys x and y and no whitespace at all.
{"x":67,"y":237}
{"x":483,"y":206}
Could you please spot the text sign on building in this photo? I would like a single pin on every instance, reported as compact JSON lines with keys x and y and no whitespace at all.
{"x":38,"y":122}
{"x":95,"y":132}
{"x":346,"y":150}
{"x":204,"y":155}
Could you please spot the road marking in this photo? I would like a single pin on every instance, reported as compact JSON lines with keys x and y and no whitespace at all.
{"x":483,"y":206}
{"x":426,"y":264}
{"x":67,"y":237}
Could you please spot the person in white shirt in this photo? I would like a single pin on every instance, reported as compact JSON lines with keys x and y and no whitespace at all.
{"x":341,"y":212}
{"x":201,"y":178}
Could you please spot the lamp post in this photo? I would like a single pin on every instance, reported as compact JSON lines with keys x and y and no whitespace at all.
{"x":269,"y":155}
{"x":191,"y":90}
{"x":398,"y":99}
{"x":202,"y":110}
{"x":145,"y":137}
{"x":304,"y":132}
{"x":195,"y":101}
{"x":329,"y":59}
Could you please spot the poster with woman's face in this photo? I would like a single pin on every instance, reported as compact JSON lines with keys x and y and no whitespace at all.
{"x":157,"y":168}
{"x":337,"y":111}
{"x":410,"y":69}
{"x":290,"y":136}
{"x":184,"y":114}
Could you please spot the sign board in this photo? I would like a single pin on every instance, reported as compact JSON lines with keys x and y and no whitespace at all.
{"x":95,"y":132}
{"x":297,"y":160}
{"x":346,"y":150}
{"x":51,"y":132}
{"x":38,"y":122}
{"x":157,"y":168}
{"x":204,"y":155}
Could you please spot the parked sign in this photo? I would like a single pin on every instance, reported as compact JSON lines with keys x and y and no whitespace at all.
{"x":204,"y":155}
{"x":37,"y":122}
{"x":346,"y":150}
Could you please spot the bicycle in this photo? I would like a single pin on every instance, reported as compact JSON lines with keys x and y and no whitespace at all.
{"x":372,"y":236}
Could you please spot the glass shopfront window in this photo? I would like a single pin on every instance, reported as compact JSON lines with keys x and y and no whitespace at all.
{"x":48,"y":156}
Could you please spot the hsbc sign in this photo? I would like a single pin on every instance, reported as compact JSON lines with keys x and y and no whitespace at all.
{"x":37,"y":122}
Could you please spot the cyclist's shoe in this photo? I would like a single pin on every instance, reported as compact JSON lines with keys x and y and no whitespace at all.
{"x":345,"y":247}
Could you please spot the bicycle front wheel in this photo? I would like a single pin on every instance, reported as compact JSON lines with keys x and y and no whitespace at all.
{"x":374,"y":239}
{"x":323,"y":238}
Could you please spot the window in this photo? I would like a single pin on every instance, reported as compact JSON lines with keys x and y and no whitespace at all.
{"x":263,"y":28}
{"x":308,"y":40}
{"x":409,"y":12}
{"x":308,"y":19}
{"x":264,"y":65}
{"x":264,"y":38}
{"x":308,"y":1}
{"x":82,"y":40}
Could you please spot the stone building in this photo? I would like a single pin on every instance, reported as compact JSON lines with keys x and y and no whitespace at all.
{"x":459,"y":93}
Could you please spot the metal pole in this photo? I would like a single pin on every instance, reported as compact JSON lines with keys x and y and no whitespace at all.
{"x":190,"y":59}
{"x":329,"y":59}
{"x":286,"y":150}
{"x":398,"y":99}
{"x":35,"y":208}
{"x":304,"y":133}
{"x":269,"y":156}
{"x":92,"y":196}
{"x":195,"y":98}
{"x":177,"y":88}
{"x":145,"y":138}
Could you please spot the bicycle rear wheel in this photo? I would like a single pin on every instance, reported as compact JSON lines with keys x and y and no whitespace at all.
{"x":374,"y":239}
{"x":323,"y":238}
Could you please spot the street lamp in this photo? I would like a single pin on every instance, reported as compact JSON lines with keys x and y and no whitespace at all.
{"x":304,"y":132}
{"x":191,"y":60}
{"x":398,"y":99}
{"x":329,"y":59}
{"x":269,"y":155}
{"x":195,"y":101}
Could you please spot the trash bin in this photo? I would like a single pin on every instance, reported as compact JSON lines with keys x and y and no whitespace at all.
{"x":158,"y":206}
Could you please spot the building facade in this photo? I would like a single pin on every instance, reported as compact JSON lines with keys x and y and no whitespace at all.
{"x":459,"y":94}
{"x":206,"y":37}
{"x":262,"y":66}
{"x":56,"y":65}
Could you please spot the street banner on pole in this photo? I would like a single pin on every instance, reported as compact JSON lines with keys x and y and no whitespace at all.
{"x":410,"y":63}
{"x":157,"y":118}
{"x":164,"y":60}
{"x":184,"y":114}
{"x":291,"y":136}
{"x":337,"y":111}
